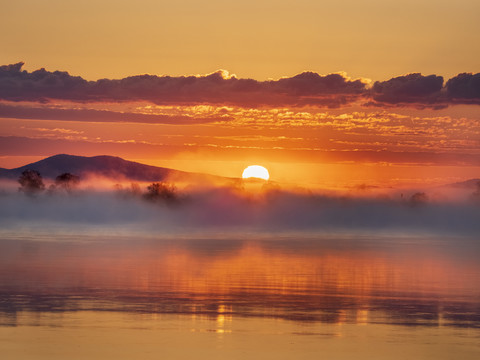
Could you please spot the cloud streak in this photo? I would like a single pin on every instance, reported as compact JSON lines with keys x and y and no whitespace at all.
{"x":42,"y":146}
{"x":91,"y":115}
{"x":305,"y":89}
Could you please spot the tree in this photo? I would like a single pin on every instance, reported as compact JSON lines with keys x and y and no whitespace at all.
{"x":31,"y":182}
{"x":418,"y":199}
{"x":133,"y":191}
{"x":475,"y":196}
{"x":67,"y":181}
{"x":161,"y":191}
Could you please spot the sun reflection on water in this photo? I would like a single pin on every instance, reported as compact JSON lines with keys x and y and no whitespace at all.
{"x":308,"y":281}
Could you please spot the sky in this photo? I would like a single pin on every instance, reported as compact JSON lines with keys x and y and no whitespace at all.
{"x":324,"y":93}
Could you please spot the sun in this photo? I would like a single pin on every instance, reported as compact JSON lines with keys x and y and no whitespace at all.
{"x":255,"y":171}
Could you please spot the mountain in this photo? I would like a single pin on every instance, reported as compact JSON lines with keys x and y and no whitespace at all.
{"x":468,"y":184}
{"x":105,"y":166}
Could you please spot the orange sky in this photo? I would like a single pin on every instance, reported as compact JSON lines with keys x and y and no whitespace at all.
{"x":252,"y":38}
{"x":320,"y":147}
{"x":310,"y":129}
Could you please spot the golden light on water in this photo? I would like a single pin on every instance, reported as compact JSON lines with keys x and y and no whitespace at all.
{"x":227,"y":294}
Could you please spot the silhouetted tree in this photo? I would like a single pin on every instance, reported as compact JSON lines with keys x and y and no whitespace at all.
{"x":161,"y":191}
{"x":31,"y":182}
{"x":476,"y":194}
{"x":419,"y":198}
{"x":133,"y":191}
{"x":67,"y":181}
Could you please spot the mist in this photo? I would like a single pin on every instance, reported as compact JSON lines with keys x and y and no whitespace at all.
{"x":235,"y":209}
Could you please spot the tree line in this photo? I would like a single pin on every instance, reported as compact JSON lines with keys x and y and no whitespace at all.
{"x":31,"y":183}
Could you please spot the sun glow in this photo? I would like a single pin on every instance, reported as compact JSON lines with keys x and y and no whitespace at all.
{"x":255,"y":171}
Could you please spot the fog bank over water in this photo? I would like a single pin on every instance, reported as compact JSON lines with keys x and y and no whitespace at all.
{"x":229,"y":209}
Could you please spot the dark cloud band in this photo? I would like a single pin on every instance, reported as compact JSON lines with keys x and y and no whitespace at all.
{"x":308,"y":88}
{"x":45,"y":113}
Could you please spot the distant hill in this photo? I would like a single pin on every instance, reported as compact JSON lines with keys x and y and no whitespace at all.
{"x":468,"y":184}
{"x":111,"y":167}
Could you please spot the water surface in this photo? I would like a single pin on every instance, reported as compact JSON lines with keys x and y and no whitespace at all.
{"x":98,"y":297}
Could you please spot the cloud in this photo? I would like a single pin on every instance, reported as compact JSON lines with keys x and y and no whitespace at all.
{"x":464,"y":88}
{"x":429,"y":91}
{"x":46,"y":113}
{"x":410,"y":89}
{"x":310,"y":84}
{"x":40,"y":85}
{"x":305,"y":89}
{"x":41,"y":145}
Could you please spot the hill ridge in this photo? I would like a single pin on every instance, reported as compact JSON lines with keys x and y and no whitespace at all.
{"x":100,"y":165}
